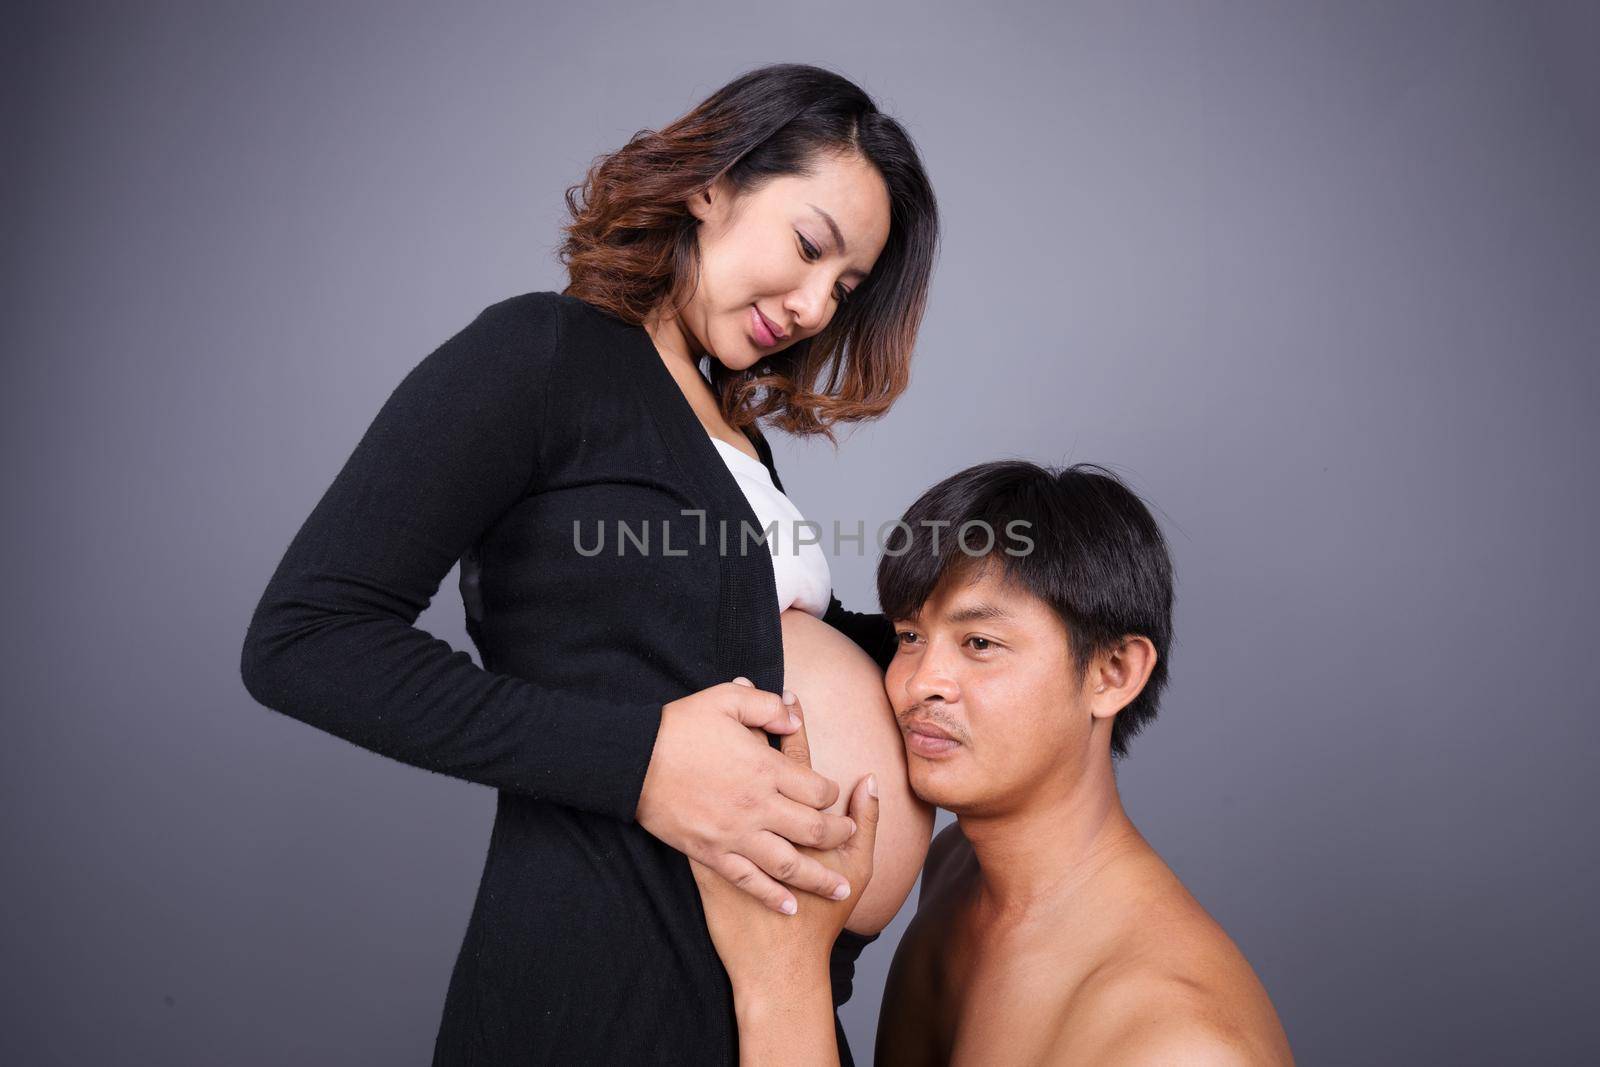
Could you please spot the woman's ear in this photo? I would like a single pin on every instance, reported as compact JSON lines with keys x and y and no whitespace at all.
{"x":707,"y":203}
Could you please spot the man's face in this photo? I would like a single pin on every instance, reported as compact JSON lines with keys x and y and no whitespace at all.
{"x":774,"y":251}
{"x":989,"y":701}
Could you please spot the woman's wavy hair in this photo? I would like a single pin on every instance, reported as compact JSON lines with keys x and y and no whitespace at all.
{"x":632,"y":245}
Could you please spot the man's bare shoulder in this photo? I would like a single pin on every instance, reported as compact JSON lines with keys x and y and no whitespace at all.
{"x":1193,"y":1041}
{"x":1178,"y":992}
{"x":943,"y":874}
{"x":911,"y":1019}
{"x":946,"y":872}
{"x":948,"y":856}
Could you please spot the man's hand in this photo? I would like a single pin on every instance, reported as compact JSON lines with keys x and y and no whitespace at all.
{"x":718,"y":793}
{"x":762,"y":950}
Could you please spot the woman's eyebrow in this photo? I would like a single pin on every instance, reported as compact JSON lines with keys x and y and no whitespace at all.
{"x":838,"y":237}
{"x":833,"y":227}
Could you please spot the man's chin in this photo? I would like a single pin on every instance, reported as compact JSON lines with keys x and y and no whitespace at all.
{"x":935,"y":782}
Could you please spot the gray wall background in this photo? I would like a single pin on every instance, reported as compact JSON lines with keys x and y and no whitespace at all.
{"x":1320,"y":281}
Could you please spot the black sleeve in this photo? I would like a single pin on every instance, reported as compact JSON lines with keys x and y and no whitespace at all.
{"x":841,"y":975}
{"x":871,"y":630}
{"x":332,"y":641}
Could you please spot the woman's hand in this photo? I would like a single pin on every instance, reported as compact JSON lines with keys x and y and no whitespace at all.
{"x":716,"y":791}
{"x":763,"y":953}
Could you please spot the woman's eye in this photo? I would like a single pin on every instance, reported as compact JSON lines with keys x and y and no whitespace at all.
{"x":812,"y":253}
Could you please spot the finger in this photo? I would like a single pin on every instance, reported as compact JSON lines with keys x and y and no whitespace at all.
{"x":803,"y":825}
{"x":788,"y":865}
{"x":805,"y":785}
{"x":864,"y":809}
{"x":797,"y":746}
{"x":756,"y":731}
{"x":754,"y":707}
{"x":746,"y":876}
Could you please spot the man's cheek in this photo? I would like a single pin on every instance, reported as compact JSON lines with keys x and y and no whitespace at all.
{"x":894,"y":683}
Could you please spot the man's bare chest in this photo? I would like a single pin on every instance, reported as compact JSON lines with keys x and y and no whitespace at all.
{"x":1001,"y":1006}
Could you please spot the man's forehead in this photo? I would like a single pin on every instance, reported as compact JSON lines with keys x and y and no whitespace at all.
{"x":984,"y":597}
{"x":977,"y":611}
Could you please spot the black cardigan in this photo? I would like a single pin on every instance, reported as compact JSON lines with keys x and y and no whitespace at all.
{"x":509,"y":448}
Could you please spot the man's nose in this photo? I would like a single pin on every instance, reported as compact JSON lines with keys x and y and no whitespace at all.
{"x":932,"y":680}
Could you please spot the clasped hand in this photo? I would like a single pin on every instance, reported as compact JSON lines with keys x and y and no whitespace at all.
{"x":716,"y":791}
{"x":760,"y":949}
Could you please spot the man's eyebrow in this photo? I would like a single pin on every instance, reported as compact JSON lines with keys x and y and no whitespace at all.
{"x":838,"y":237}
{"x":979,"y":612}
{"x":971,"y":613}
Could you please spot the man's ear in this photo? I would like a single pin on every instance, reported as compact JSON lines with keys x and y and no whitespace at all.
{"x":1117,"y":675}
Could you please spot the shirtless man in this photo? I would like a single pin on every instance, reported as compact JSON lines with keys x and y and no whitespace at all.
{"x":1048,"y":931}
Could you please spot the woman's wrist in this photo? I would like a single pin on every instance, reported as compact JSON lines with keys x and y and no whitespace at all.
{"x":777,"y":982}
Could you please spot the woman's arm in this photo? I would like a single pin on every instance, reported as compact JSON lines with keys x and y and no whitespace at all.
{"x":778,"y":965}
{"x":332,"y":641}
{"x":788,"y":1022}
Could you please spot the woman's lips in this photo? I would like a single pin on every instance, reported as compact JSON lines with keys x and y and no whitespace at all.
{"x":765,"y":337}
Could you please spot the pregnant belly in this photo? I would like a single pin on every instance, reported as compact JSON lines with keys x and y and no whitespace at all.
{"x":852,"y":731}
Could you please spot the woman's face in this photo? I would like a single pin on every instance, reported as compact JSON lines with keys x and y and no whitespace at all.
{"x":774,"y":251}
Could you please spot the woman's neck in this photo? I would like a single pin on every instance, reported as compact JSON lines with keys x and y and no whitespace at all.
{"x":674,"y":344}
{"x":674,"y":347}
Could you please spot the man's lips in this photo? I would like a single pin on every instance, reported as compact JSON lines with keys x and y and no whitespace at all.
{"x":928,"y":740}
{"x":929,"y":728}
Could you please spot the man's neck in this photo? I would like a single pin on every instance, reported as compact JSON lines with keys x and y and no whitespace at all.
{"x":1052,"y":855}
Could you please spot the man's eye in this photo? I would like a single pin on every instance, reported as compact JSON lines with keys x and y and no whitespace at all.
{"x":905,"y":634}
{"x":984,"y":641}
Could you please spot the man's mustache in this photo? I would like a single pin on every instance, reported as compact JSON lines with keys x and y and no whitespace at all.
{"x":920,"y":714}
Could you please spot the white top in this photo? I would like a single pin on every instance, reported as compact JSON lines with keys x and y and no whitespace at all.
{"x":800,"y":569}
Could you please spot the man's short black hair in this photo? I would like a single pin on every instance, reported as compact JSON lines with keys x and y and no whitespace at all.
{"x":1077,"y":538}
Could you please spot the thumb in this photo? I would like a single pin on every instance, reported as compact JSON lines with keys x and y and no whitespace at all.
{"x":758,"y":709}
{"x":797,"y":746}
{"x":858,"y":850}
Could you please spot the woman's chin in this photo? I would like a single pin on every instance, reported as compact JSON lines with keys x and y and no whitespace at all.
{"x":738,"y":362}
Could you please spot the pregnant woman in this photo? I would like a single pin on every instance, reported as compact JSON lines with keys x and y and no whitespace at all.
{"x":600,"y":492}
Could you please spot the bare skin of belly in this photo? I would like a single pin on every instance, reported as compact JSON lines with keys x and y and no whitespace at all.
{"x":853,"y":732}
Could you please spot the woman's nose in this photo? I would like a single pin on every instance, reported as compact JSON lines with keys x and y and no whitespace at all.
{"x":809,"y":306}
